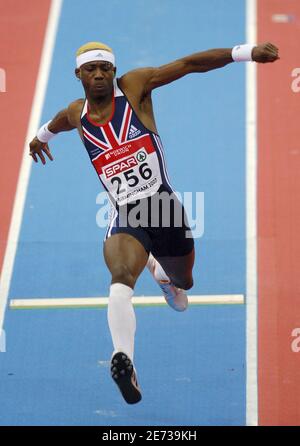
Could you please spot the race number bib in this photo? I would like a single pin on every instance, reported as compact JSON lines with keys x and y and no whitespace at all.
{"x":131,"y":171}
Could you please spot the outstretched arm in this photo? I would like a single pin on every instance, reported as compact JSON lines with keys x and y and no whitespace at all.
{"x":63,"y":121}
{"x":150,"y":78}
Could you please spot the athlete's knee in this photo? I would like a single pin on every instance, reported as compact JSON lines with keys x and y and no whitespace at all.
{"x":186,"y":283}
{"x":122,"y":274}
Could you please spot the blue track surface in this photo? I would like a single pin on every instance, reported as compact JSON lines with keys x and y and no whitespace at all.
{"x":191,"y":366}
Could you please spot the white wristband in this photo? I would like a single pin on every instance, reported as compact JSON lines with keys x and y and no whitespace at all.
{"x":43,"y":134}
{"x":242,"y":53}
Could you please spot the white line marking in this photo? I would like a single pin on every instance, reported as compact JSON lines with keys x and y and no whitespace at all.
{"x":251,"y":175}
{"x":282,"y":18}
{"x":36,"y":110}
{"x":93,"y":302}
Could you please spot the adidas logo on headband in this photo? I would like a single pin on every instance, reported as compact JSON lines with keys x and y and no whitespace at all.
{"x":92,"y":55}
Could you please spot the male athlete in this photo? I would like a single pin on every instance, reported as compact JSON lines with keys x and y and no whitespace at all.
{"x":116,"y":124}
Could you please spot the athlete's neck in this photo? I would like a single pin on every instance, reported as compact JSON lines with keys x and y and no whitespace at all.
{"x":99,"y":103}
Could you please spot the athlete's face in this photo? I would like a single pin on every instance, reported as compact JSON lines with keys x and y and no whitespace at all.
{"x":97,"y":78}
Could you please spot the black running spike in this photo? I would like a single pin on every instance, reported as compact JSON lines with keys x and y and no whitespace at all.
{"x":125,"y":378}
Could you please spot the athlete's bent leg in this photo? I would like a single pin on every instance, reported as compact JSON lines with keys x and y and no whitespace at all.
{"x":173,"y":275}
{"x":179,"y":269}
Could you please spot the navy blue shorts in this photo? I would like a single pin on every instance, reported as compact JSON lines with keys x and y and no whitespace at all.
{"x":160,"y":225}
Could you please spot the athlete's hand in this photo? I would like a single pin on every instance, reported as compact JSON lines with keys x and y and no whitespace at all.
{"x":37,"y":148}
{"x":265,"y":52}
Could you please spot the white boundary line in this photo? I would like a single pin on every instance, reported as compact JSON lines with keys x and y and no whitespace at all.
{"x":86,"y":302}
{"x":36,"y":110}
{"x":251,"y":221}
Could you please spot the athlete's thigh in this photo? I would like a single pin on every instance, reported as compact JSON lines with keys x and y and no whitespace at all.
{"x":125,"y":255}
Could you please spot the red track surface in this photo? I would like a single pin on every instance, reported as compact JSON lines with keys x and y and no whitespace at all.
{"x":279,"y":218}
{"x":22,"y":29}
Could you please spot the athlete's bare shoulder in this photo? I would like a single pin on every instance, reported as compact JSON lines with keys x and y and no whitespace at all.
{"x":134,"y":83}
{"x":74,"y":111}
{"x":135,"y":86}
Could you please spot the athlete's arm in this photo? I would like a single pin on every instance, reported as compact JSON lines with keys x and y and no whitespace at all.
{"x":65,"y":120}
{"x":150,"y":78}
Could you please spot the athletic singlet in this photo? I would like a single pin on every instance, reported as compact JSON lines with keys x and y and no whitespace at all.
{"x":127,"y":157}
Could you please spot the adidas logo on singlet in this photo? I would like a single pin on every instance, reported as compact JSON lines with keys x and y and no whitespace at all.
{"x":133,"y":132}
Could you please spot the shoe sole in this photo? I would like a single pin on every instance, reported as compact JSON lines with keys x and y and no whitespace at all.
{"x":123,"y":374}
{"x":170,"y":298}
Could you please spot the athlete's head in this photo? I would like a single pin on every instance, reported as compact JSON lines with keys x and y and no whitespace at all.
{"x":95,"y":67}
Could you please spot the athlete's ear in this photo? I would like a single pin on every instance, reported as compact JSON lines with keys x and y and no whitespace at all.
{"x":77,"y":73}
{"x":115,"y":71}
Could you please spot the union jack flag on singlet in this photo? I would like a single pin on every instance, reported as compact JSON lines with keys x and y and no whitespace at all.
{"x":127,"y":156}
